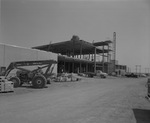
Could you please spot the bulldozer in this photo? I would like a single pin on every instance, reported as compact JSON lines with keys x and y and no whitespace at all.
{"x":36,"y":77}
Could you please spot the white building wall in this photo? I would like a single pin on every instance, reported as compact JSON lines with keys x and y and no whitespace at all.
{"x":47,"y":55}
{"x":2,"y":60}
{"x":9,"y":53}
{"x":13,"y":53}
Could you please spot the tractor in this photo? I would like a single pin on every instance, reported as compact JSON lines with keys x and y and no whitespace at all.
{"x":37,"y":78}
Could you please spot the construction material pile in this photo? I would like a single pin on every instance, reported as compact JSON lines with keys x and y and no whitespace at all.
{"x":6,"y":86}
{"x":67,"y":77}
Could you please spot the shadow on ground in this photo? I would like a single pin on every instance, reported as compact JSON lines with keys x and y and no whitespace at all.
{"x":142,"y":115}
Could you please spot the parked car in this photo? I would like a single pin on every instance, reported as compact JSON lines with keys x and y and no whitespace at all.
{"x":98,"y":73}
{"x":131,"y":75}
{"x":143,"y":75}
{"x":101,"y":74}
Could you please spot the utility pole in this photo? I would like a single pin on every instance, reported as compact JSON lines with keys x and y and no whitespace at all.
{"x":148,"y":70}
{"x":140,"y":69}
{"x":136,"y":68}
{"x":128,"y":70}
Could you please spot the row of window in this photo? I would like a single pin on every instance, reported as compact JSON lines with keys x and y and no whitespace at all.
{"x":121,"y":67}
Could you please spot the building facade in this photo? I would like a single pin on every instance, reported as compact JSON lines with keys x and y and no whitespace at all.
{"x":79,"y":56}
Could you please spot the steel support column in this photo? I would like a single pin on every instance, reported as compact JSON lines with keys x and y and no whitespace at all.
{"x":108,"y":60}
{"x":103,"y":59}
{"x":95,"y":60}
{"x":80,"y":57}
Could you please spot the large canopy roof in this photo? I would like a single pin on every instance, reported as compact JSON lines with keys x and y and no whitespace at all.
{"x":78,"y":46}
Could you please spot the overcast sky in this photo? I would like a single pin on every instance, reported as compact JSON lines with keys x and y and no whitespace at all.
{"x":31,"y":23}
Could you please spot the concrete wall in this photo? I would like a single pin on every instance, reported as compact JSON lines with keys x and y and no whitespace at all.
{"x":9,"y":53}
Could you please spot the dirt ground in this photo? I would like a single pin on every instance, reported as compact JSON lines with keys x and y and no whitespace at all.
{"x":91,"y":100}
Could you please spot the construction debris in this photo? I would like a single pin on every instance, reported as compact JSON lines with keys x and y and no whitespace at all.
{"x":6,"y":86}
{"x":67,"y":77}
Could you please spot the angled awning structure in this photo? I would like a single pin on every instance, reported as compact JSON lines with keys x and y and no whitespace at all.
{"x":76,"y":46}
{"x":102,"y":43}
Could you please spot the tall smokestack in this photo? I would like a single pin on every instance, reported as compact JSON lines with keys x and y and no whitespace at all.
{"x":114,"y":50}
{"x":114,"y":41}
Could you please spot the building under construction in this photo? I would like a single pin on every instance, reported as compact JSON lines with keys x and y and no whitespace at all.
{"x":79,"y":56}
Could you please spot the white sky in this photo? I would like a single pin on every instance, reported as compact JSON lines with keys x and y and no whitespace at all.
{"x":31,"y":23}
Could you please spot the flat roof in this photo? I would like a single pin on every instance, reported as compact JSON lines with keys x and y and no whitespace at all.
{"x":102,"y":43}
{"x":70,"y":45}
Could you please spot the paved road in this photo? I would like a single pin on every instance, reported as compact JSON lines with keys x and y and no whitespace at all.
{"x":93,"y":100}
